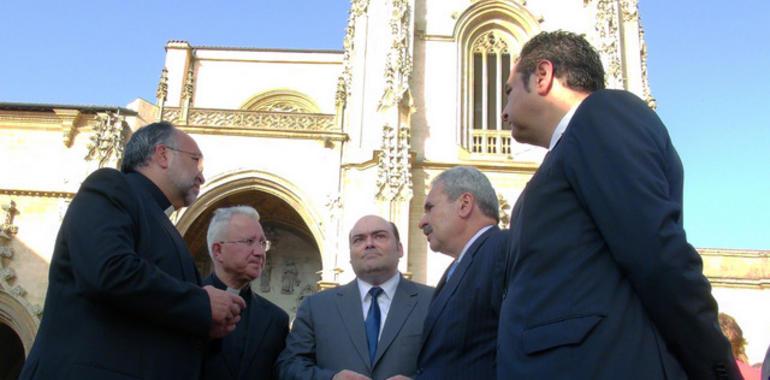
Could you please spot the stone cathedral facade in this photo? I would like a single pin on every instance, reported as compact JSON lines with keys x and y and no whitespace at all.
{"x":316,"y":139}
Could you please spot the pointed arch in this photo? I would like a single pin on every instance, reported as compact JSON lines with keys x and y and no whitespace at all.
{"x":231,"y":183}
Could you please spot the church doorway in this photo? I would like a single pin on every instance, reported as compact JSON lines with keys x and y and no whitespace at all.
{"x":294,"y":259}
{"x":12,"y":352}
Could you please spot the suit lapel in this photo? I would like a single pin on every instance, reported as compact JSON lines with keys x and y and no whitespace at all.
{"x":440,"y":301}
{"x":260,"y":323}
{"x":351,"y":312}
{"x":402,"y":305}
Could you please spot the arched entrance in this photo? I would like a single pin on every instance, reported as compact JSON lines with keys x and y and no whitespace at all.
{"x":17,"y":332}
{"x":12,"y":352}
{"x":294,"y":260}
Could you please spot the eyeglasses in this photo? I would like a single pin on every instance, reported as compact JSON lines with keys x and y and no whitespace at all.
{"x":251,"y":243}
{"x":197,"y":157}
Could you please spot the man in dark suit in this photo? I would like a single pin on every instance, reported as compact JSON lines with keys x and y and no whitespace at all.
{"x":603,"y":284}
{"x":368,"y":329}
{"x":123,"y":298}
{"x":460,"y":333}
{"x":238,"y":247}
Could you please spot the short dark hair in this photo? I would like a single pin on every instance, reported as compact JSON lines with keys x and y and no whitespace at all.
{"x":395,"y":232}
{"x":142,"y":143}
{"x":574,"y":60}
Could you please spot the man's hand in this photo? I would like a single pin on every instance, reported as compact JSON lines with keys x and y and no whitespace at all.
{"x":347,"y":374}
{"x":399,"y":377}
{"x":225,"y":311}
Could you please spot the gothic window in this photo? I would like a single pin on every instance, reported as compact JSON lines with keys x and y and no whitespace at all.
{"x":488,"y":65}
{"x":283,"y":100}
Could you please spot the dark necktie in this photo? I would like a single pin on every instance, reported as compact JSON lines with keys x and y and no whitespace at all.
{"x":372,"y":323}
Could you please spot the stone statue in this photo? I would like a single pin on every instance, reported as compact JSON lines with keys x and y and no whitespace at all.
{"x":290,"y":278}
{"x":264,"y":280}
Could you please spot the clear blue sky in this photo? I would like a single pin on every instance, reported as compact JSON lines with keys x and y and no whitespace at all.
{"x":709,"y":69}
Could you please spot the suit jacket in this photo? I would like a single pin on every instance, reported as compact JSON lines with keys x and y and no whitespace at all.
{"x":460,"y":333}
{"x":250,"y":351}
{"x":603,"y":284}
{"x":328,"y":335}
{"x":123,"y":298}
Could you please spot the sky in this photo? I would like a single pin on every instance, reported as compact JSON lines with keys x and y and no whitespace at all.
{"x":708,"y":67}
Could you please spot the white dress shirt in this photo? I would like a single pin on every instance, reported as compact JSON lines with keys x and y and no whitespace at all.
{"x":383,"y":300}
{"x":562,"y":126}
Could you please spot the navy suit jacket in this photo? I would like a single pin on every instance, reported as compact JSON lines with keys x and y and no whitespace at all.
{"x":250,"y":351}
{"x":460,"y":333}
{"x":328,"y":335}
{"x":123,"y":298}
{"x":602,"y":283}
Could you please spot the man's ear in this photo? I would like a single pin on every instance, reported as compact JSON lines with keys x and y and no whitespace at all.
{"x":160,"y":155}
{"x":465,"y":207}
{"x":216,"y":252}
{"x":543,"y":77}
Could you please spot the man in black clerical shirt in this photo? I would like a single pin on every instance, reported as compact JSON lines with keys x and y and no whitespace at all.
{"x":238,"y":249}
{"x":124,"y":299}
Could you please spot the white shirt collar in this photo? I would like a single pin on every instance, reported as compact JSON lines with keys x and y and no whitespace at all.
{"x":562,"y":126}
{"x":471,"y":240}
{"x":388,"y":287}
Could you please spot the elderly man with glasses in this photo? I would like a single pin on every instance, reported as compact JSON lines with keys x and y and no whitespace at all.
{"x":238,"y":248}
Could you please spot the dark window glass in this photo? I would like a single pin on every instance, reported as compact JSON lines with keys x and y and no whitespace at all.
{"x":491,"y":92}
{"x":477,"y":82}
{"x":503,"y":78}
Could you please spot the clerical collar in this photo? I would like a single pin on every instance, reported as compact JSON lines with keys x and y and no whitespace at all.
{"x":243,"y":292}
{"x":151,"y":188}
{"x":562,"y":126}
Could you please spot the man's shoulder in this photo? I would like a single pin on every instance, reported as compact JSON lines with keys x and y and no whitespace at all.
{"x":270,"y":306}
{"x":105,"y":176}
{"x":620,"y":101}
{"x":416,"y":287}
{"x":327,"y":295}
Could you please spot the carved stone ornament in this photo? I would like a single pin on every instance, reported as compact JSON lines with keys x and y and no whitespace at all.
{"x":9,"y":230}
{"x":162,"y":93}
{"x":189,"y":85}
{"x":285,"y":121}
{"x":7,"y":274}
{"x":629,"y":9}
{"x":645,"y":81}
{"x":69,"y":120}
{"x":608,"y":28}
{"x":357,"y":9}
{"x":398,"y":63}
{"x":394,"y":174}
{"x":110,"y":136}
{"x":491,"y":42}
{"x":505,"y":215}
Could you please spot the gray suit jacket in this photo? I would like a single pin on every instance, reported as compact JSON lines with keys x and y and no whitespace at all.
{"x":328,"y":335}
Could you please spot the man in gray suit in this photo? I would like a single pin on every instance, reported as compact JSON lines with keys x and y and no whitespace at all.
{"x":341,"y":334}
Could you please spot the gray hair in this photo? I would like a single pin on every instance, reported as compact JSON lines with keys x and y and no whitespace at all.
{"x":142,"y":143}
{"x":467,"y":179}
{"x":221,"y":220}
